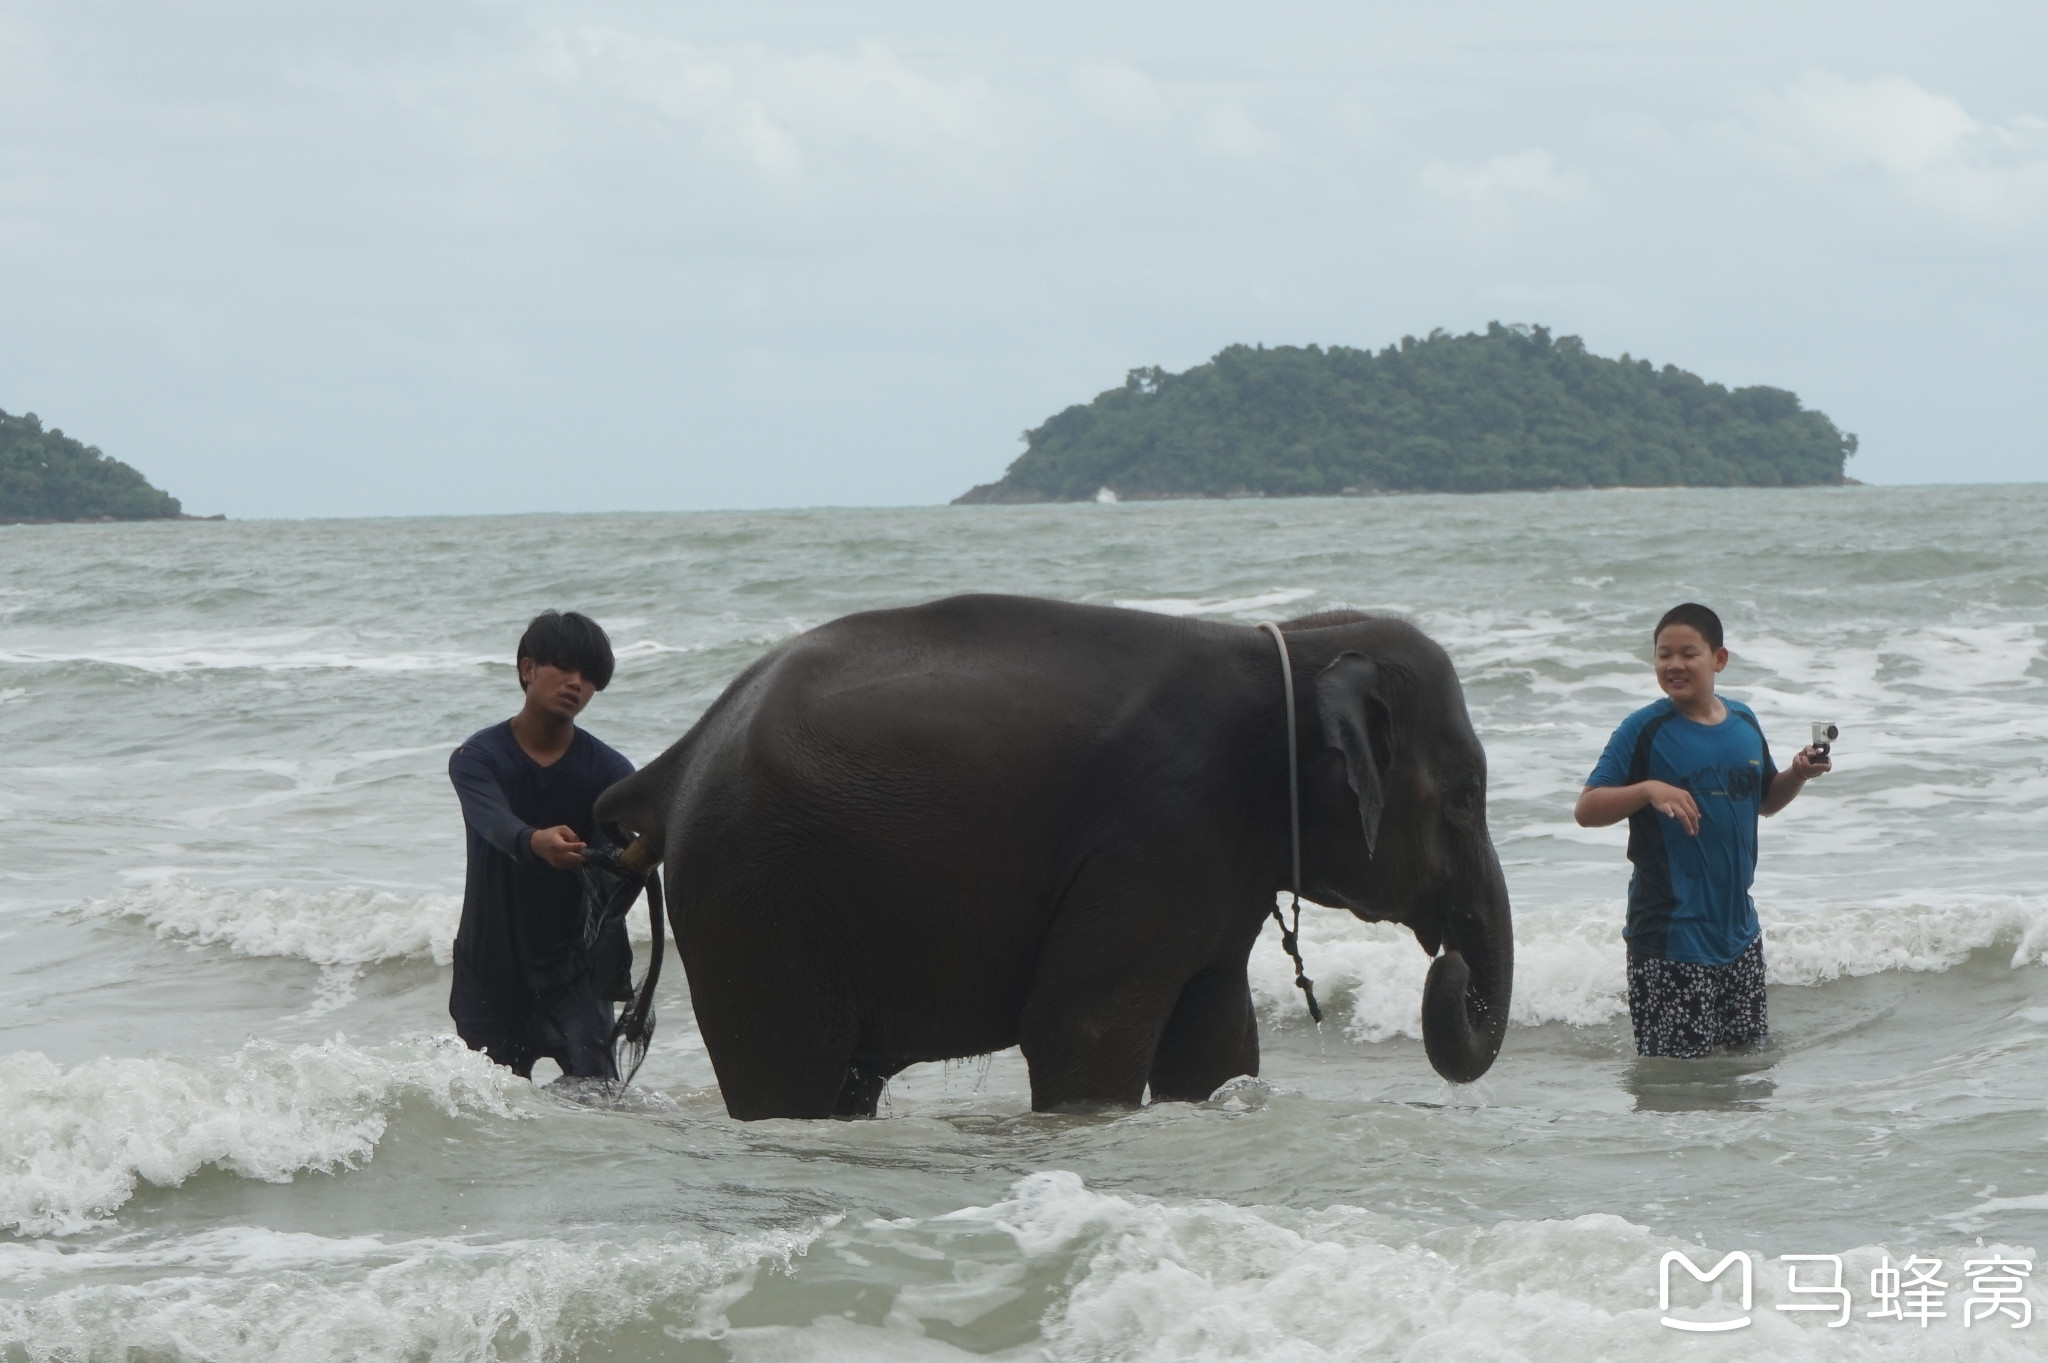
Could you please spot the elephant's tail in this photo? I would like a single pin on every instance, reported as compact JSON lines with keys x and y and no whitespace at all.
{"x":638,"y":807}
{"x":633,"y":1033}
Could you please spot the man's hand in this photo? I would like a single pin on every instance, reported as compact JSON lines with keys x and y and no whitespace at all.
{"x":1673,"y":803}
{"x":559,"y":847}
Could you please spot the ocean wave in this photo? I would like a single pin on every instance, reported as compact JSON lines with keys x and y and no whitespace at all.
{"x":1053,"y":1270}
{"x":343,"y":931}
{"x":290,"y":651}
{"x":248,"y":1293}
{"x":1211,"y":1281}
{"x":337,"y":928}
{"x":318,"y":650}
{"x":1369,"y":976}
{"x":1886,"y":684}
{"x":75,"y":1142}
{"x":1257,"y":605}
{"x":1903,"y":932}
{"x":1571,"y":966}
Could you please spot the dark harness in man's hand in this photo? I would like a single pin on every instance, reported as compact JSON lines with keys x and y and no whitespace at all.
{"x":610,"y":885}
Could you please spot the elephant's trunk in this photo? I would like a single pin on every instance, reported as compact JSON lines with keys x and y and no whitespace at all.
{"x":1465,"y":1000}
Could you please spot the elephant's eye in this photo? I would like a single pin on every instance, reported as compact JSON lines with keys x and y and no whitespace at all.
{"x":1466,"y":803}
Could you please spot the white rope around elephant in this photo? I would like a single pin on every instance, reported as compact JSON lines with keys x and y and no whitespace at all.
{"x":1290,"y":938}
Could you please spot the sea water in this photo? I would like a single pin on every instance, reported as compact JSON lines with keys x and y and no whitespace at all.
{"x":234,"y":1123}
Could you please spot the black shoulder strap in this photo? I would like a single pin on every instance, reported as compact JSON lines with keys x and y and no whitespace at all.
{"x":1747,"y":718}
{"x":1639,"y":765}
{"x":1652,"y":882}
{"x":1770,"y":767}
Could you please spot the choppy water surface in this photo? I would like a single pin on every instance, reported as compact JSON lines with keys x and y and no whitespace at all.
{"x":233,"y":1123}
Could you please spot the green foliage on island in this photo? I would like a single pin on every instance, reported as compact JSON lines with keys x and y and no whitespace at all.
{"x":1510,"y":409}
{"x":48,"y":476}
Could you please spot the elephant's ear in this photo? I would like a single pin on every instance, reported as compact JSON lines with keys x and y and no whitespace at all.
{"x":1358,"y":724}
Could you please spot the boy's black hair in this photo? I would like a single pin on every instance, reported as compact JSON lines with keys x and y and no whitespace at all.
{"x":1689,"y":613}
{"x":570,"y":640}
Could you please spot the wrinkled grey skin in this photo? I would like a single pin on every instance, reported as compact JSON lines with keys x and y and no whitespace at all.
{"x":989,"y":821}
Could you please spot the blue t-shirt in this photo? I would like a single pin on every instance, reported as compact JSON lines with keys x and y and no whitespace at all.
{"x":1689,"y":897}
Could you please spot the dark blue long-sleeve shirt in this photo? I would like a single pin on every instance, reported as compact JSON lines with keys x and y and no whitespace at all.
{"x":521,"y":940}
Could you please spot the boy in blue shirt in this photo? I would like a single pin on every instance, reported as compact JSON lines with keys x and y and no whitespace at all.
{"x":1691,"y":773}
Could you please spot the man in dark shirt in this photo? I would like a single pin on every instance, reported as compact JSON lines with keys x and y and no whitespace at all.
{"x":524,"y":986}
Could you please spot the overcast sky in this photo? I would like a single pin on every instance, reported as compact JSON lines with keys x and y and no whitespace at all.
{"x":413,"y":257}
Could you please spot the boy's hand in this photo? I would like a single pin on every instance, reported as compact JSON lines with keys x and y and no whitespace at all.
{"x":559,"y":847}
{"x":1808,"y":763}
{"x":1674,"y":803}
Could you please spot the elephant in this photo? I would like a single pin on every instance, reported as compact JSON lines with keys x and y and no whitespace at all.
{"x":943,"y":830}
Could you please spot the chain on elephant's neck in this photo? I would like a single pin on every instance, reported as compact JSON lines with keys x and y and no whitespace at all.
{"x":1290,"y":937}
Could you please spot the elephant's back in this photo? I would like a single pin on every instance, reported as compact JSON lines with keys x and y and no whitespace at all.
{"x":1000,"y":638}
{"x":967,"y":680}
{"x":972,"y":722}
{"x":955,"y":685}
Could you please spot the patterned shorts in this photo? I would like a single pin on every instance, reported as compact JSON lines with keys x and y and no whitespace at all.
{"x":1684,"y":1009}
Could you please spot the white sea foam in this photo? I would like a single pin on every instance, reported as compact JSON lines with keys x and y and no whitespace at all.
{"x":280,"y":651}
{"x":223,"y":1295}
{"x":1214,"y":1281}
{"x":1908,"y":698}
{"x":76,"y":1141}
{"x":1569,"y":959}
{"x":343,"y":931}
{"x":1119,"y":1277}
{"x":339,"y":928}
{"x":1369,"y":976}
{"x":1904,"y":932}
{"x":1571,"y":966}
{"x":654,"y":648}
{"x":1259,"y":604}
{"x":312,"y":650}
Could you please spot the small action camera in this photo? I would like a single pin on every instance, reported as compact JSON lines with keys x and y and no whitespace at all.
{"x":1824,"y":736}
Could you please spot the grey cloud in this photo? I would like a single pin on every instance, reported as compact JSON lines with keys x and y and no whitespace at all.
{"x":315,"y":259}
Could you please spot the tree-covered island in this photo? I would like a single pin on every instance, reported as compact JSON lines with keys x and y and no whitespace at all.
{"x":45,"y":475}
{"x":1511,"y":409}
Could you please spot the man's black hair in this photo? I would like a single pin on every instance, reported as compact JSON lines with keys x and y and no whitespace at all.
{"x":1685,"y":613}
{"x":571,"y":641}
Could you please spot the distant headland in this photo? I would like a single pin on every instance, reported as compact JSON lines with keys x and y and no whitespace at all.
{"x":1510,"y":409}
{"x":46,"y":476}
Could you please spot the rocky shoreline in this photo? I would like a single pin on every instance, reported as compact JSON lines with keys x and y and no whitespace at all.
{"x":101,"y":520}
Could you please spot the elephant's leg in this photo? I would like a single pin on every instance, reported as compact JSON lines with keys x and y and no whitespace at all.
{"x":1099,"y":998}
{"x":862,"y":1091}
{"x":1211,"y":1038}
{"x":781,"y":1037}
{"x":1092,"y":1050}
{"x":792,"y":1061}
